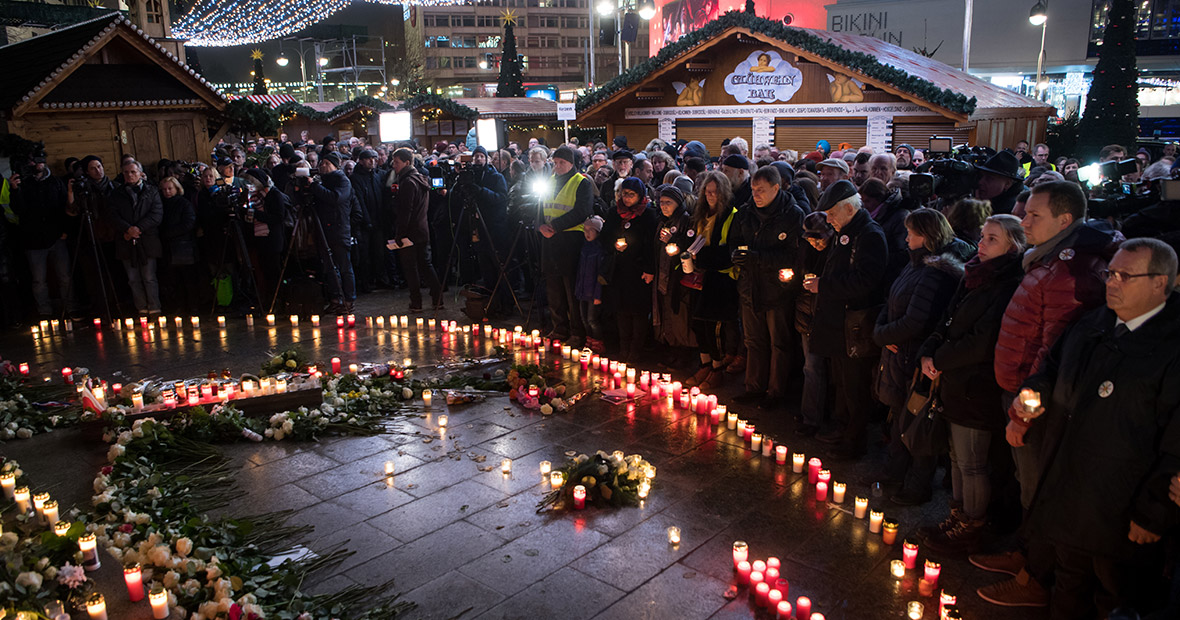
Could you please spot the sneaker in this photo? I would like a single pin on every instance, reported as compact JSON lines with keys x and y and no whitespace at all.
{"x":699,"y":376}
{"x":749,"y":398}
{"x":737,"y":366}
{"x":1009,"y":562}
{"x":831,"y":437}
{"x":1019,"y":591}
{"x":715,"y":380}
{"x":928,"y":531}
{"x":964,"y":537}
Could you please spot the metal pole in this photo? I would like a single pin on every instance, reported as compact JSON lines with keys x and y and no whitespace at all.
{"x":1041,"y":59}
{"x":619,"y":36}
{"x":968,"y":13}
{"x":593,"y":41}
{"x":319,"y":74}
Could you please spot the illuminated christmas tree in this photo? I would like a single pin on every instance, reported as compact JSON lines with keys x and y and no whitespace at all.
{"x":1112,"y":106}
{"x":259,"y":79}
{"x":511,"y":82}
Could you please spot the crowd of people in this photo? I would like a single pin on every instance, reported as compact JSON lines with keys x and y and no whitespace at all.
{"x":1047,"y":342}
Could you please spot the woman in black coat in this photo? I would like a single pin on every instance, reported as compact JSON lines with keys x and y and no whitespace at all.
{"x":961,"y":353}
{"x":628,"y":236}
{"x":671,"y":301}
{"x":917,"y":300}
{"x":178,"y":232}
{"x":716,"y":306}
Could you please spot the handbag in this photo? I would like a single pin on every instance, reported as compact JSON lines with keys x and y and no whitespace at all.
{"x":926,"y":434}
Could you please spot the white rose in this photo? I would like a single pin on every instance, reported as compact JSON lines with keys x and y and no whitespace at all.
{"x":30,"y":580}
{"x":279,"y":434}
{"x":137,"y":432}
{"x":407,"y":393}
{"x":124,"y":438}
{"x":24,"y":433}
{"x":288,"y":426}
{"x":191,"y":587}
{"x":171,"y":579}
{"x":159,"y":555}
{"x":250,"y":610}
{"x":115,"y":452}
{"x":142,"y":519}
{"x":546,"y":410}
{"x":184,"y":546}
{"x":212,"y":571}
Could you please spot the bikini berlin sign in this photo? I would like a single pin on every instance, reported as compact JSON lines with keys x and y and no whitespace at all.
{"x":764,"y":77}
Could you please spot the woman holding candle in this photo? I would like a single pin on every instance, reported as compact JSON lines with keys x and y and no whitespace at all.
{"x":629,"y":271}
{"x":915,"y":305}
{"x":715,"y":311}
{"x":961,"y":354}
{"x":671,"y":317}
{"x":818,"y":234}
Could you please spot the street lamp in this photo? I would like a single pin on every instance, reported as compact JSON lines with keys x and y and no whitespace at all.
{"x":619,"y":8}
{"x":282,"y":60}
{"x":647,"y":9}
{"x":1039,"y":16}
{"x":605,"y":8}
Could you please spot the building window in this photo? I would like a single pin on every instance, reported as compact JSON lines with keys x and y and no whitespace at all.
{"x":1157,"y":27}
{"x":489,"y":41}
{"x":154,"y":14}
{"x":444,"y":62}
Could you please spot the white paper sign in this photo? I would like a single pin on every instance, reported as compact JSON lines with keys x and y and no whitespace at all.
{"x":789,"y":110}
{"x":764,"y":77}
{"x":567,"y":111}
{"x":667,"y":129}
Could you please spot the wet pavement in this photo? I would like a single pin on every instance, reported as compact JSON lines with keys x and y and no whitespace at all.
{"x":466,"y":543}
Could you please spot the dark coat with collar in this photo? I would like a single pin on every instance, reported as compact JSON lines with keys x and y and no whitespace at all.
{"x":1109,"y":452}
{"x":853,"y":279}
{"x":891,"y":216}
{"x":178,"y":230}
{"x":718,"y":300}
{"x":625,"y":290}
{"x":139,"y":206}
{"x":333,"y":203}
{"x":773,"y":237}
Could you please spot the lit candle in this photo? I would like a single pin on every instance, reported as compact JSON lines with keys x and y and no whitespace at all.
{"x":773,"y":562}
{"x":676,"y":387}
{"x":821,"y":491}
{"x":741,"y":551}
{"x":196,"y":321}
{"x":631,"y":376}
{"x":817,"y":616}
{"x":294,"y":320}
{"x":90,"y":560}
{"x":749,"y":434}
{"x":780,"y":454}
{"x":579,"y":497}
{"x":813,"y":467}
{"x":862,"y":505}
{"x":731,"y":420}
{"x":783,"y":611}
{"x":61,"y":528}
{"x":159,"y":600}
{"x":556,"y":479}
{"x":442,"y":421}
{"x":1032,"y":402}
{"x":381,"y":322}
{"x":427,"y":399}
{"x":133,"y":575}
{"x":741,"y":428}
{"x":432,"y":324}
{"x":249,"y":320}
{"x":565,"y":351}
{"x":756,"y":579}
{"x":389,"y":467}
{"x":825,"y":475}
{"x":96,"y":606}
{"x":756,"y":441}
{"x":534,"y":391}
{"x":743,"y":571}
{"x":24,"y":368}
{"x":335,"y":365}
{"x":584,"y":359}
{"x":774,"y":598}
{"x":715,"y":416}
{"x":353,"y":368}
{"x":909,"y":553}
{"x":925,"y":588}
{"x":21,"y":495}
{"x":546,"y":467}
{"x":352,"y":320}
{"x":767,"y":447}
{"x":875,"y":519}
{"x":506,"y":466}
{"x":673,"y":535}
{"x":944,"y":601}
{"x":897,"y":568}
{"x":761,"y":592}
{"x":914,"y":610}
{"x":838,"y":490}
{"x":50,"y":512}
{"x":419,"y":322}
{"x":340,"y":321}
{"x":802,"y":607}
{"x":620,"y":244}
{"x":98,"y":323}
{"x":8,"y":483}
{"x":630,"y":390}
{"x":760,"y":566}
{"x":772,"y":574}
{"x":67,"y":374}
{"x":933,"y":569}
{"x":785,"y":275}
{"x":889,"y":533}
{"x":39,"y":500}
{"x":797,"y":460}
{"x":220,"y":321}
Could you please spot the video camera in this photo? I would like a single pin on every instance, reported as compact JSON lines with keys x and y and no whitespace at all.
{"x":234,"y":201}
{"x":1111,"y":197}
{"x":949,"y":172}
{"x":303,"y":180}
{"x":457,"y":173}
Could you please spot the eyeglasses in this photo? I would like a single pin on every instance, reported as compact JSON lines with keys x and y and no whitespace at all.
{"x":1122,"y":276}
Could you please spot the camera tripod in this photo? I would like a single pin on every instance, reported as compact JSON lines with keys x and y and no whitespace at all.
{"x":471,"y":210}
{"x":321,"y":240}
{"x":233,"y":231}
{"x":100,"y":264}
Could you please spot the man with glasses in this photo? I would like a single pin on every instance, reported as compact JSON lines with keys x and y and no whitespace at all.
{"x":1111,"y":381}
{"x":1063,"y":279}
{"x":1040,"y":159}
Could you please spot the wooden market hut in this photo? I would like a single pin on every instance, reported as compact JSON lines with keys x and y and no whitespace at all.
{"x":438,"y":118}
{"x":742,"y":75}
{"x":339,"y":119}
{"x":103,"y":87}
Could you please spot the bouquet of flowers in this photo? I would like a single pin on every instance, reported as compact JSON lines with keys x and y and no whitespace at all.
{"x":291,"y":360}
{"x":609,"y":480}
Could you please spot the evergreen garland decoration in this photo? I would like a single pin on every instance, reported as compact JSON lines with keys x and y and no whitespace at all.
{"x":450,"y":106}
{"x":1112,"y":105}
{"x":292,"y":108}
{"x":861,"y":62}
{"x":247,"y":117}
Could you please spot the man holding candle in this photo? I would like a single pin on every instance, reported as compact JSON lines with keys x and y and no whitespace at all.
{"x":1111,"y":393}
{"x":568,"y":202}
{"x":767,"y":235}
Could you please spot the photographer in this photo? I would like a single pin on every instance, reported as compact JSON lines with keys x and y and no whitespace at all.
{"x":86,"y":197}
{"x":407,"y":228}
{"x":136,"y":212}
{"x":39,"y":200}
{"x":490,"y":192}
{"x":263,"y":232}
{"x":999,"y":182}
{"x":331,"y":194}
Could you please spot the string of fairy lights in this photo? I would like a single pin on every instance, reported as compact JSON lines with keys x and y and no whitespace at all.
{"x":222,"y":23}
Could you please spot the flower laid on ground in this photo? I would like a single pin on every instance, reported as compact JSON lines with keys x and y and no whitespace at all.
{"x":609,"y":479}
{"x":291,"y":360}
{"x":21,"y":418}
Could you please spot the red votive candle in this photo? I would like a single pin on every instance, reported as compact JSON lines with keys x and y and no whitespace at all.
{"x":802,"y":607}
{"x":579,"y":497}
{"x":933,"y":569}
{"x":761,"y":594}
{"x":813,"y":467}
{"x":743,"y":571}
{"x":759,"y":566}
{"x":821,"y":491}
{"x":335,"y":365}
{"x":24,"y":368}
{"x":909,"y":553}
{"x":773,"y":598}
{"x":784,"y":611}
{"x":755,"y":579}
{"x":771,"y":575}
{"x":825,"y":476}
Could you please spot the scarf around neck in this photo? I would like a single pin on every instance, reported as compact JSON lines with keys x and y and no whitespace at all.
{"x":630,"y":213}
{"x":1036,"y":253}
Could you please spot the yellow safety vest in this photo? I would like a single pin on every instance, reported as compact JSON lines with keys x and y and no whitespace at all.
{"x":732,"y":270}
{"x":1027,"y":168}
{"x":6,"y":201}
{"x":564,"y":201}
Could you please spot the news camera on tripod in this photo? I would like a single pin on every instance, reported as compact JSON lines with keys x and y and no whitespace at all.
{"x":486,"y":187}
{"x":330,"y":194}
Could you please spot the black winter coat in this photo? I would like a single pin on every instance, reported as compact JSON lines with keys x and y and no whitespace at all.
{"x":964,"y":345}
{"x":41,"y":206}
{"x":917,"y":301}
{"x":1112,"y":432}
{"x":370,"y":194}
{"x":891,"y":216}
{"x":625,"y":290}
{"x":138,"y":206}
{"x":718,"y":300}
{"x":491,"y":194}
{"x":273,"y":213}
{"x":333,"y":203}
{"x":813,"y":262}
{"x":408,"y":207}
{"x":773,"y":236}
{"x":853,"y":279}
{"x":668,"y":269}
{"x":178,"y":230}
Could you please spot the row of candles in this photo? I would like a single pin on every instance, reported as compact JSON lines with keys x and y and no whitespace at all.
{"x":661,"y":387}
{"x":46,"y":512}
{"x":46,"y":327}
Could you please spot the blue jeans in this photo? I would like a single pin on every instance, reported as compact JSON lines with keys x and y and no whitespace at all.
{"x":815,"y":385}
{"x":145,"y":290}
{"x":1026,"y":457}
{"x":57,"y":256}
{"x":971,"y":484}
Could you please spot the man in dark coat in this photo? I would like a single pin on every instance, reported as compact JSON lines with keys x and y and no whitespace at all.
{"x":491,"y":195}
{"x":1111,"y":394}
{"x":40,"y":202}
{"x":569,"y":201}
{"x":332,"y":201}
{"x":736,"y":168}
{"x":369,"y":191}
{"x":406,"y":221}
{"x":766,"y":235}
{"x":136,"y":211}
{"x":850,"y":289}
{"x":622,"y":161}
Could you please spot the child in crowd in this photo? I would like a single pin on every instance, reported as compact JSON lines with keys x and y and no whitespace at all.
{"x":588,"y":287}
